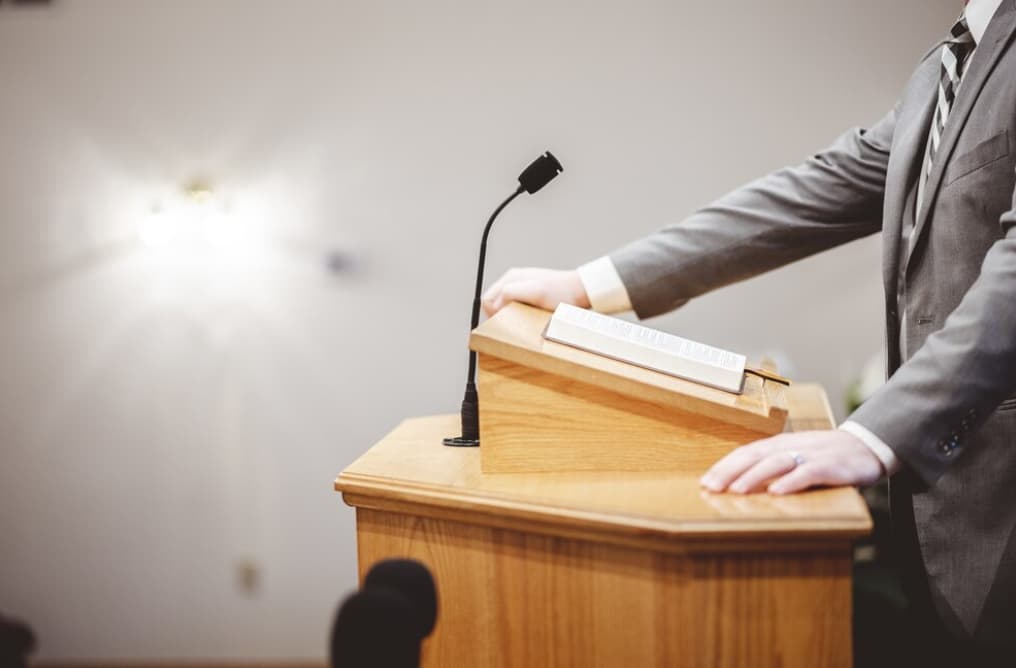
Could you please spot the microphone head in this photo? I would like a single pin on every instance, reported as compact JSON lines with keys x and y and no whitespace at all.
{"x":412,"y":580}
{"x":376,"y":627}
{"x":540,"y":172}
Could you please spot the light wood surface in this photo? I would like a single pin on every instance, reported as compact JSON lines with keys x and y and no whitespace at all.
{"x":545,"y":407}
{"x":621,"y":569}
{"x":515,"y":334}
{"x":410,"y":470}
{"x":519,"y":599}
{"x":534,"y":421}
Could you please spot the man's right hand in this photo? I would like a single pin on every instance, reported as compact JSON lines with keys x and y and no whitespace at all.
{"x":544,"y":288}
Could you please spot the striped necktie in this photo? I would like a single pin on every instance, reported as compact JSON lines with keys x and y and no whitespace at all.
{"x":955,"y":55}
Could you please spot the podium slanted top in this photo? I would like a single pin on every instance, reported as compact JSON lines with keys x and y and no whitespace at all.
{"x":515,"y":334}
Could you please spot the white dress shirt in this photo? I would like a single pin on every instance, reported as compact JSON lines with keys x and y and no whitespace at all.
{"x":607,"y":293}
{"x":979,"y":14}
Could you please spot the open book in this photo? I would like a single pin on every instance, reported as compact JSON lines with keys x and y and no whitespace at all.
{"x":645,"y":347}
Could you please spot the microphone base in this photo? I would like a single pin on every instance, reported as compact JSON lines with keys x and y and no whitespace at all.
{"x":470,"y":437}
{"x":460,"y":442}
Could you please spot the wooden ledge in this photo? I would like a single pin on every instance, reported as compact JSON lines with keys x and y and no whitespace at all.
{"x":410,"y":472}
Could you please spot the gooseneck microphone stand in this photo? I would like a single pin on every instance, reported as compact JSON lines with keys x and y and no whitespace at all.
{"x":535,"y":176}
{"x":470,"y":437}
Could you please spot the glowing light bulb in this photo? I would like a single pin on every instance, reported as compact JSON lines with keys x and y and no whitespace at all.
{"x":158,"y":229}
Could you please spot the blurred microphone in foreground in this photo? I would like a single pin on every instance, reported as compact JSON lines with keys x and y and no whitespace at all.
{"x":385,"y":623}
{"x":16,"y":642}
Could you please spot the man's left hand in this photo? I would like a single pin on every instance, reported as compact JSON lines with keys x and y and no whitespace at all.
{"x":791,"y":463}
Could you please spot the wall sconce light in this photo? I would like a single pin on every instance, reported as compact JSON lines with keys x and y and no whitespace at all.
{"x":195,"y":217}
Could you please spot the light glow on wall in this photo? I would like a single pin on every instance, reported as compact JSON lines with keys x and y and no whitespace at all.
{"x":197,"y":215}
{"x":200,"y":236}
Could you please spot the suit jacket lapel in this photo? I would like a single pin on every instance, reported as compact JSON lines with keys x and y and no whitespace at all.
{"x":912,"y":125}
{"x":992,"y":45}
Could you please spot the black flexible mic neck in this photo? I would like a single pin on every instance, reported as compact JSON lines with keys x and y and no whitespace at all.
{"x":540,"y":172}
{"x":479,"y":277}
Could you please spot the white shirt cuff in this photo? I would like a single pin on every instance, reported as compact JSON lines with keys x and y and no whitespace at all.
{"x":606,"y":291}
{"x":878,"y":447}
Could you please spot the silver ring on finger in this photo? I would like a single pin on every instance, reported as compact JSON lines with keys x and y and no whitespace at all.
{"x":797,"y":457}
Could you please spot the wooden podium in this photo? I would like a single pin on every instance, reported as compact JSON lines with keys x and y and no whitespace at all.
{"x":550,"y":407}
{"x":632,"y":569}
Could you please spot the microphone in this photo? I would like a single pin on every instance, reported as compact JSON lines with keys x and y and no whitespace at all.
{"x":375,"y":628}
{"x":538,"y":174}
{"x":385,"y":623}
{"x":17,"y":641}
{"x":414,"y":582}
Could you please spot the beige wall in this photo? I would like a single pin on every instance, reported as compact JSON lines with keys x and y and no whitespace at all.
{"x":165,"y":416}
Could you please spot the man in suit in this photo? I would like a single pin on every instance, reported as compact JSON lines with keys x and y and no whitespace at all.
{"x":937,"y":177}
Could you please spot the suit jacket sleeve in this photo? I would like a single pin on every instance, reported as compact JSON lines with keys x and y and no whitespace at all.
{"x":962,"y":372}
{"x":834,"y":197}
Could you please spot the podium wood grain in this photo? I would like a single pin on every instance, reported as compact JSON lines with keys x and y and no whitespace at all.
{"x":550,"y":407}
{"x":597,"y":569}
{"x":536,"y":421}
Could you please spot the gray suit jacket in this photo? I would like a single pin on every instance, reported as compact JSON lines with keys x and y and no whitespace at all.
{"x":949,"y":411}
